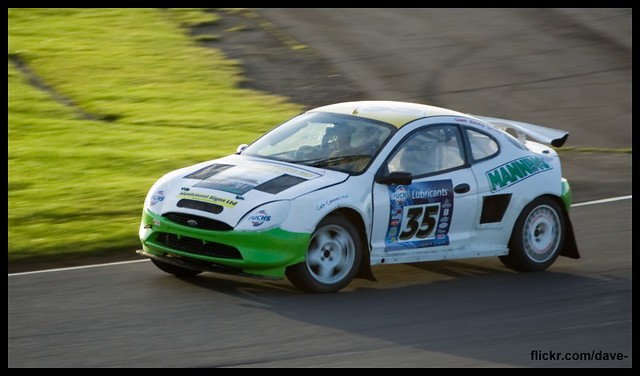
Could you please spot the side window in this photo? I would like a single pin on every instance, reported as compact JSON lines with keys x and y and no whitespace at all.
{"x":482,"y":146}
{"x":433,"y":149}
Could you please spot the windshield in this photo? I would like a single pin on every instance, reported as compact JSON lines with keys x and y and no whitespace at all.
{"x":333,"y":141}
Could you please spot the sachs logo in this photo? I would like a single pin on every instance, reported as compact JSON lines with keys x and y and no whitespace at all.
{"x":260,"y":218}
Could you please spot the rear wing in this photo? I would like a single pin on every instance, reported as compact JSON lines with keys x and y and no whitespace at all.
{"x":549,"y":136}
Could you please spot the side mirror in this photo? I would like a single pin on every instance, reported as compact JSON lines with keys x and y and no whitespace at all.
{"x":395,"y":178}
{"x":240,"y":148}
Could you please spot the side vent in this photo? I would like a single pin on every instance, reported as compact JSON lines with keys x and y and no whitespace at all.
{"x":494,"y":207}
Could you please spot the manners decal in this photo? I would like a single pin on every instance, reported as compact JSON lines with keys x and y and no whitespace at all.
{"x":515,"y":171}
{"x":420,"y":215}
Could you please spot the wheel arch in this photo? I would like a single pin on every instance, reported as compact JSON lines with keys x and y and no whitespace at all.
{"x":364,"y":269}
{"x":570,"y":246}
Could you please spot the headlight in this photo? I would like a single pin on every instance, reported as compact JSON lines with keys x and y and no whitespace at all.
{"x":265,"y":216}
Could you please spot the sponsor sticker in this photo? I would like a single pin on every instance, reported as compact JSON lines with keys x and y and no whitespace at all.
{"x":515,"y":171}
{"x":328,"y":202}
{"x":226,"y":202}
{"x":476,"y":123}
{"x":259,"y":218}
{"x":157,"y":197}
{"x":400,"y":194}
{"x":420,"y":215}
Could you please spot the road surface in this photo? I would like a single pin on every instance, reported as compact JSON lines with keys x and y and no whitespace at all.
{"x":568,"y":69}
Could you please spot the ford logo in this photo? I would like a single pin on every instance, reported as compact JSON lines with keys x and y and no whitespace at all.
{"x":192,"y":223}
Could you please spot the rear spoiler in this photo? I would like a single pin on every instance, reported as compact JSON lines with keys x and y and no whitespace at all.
{"x":549,"y":136}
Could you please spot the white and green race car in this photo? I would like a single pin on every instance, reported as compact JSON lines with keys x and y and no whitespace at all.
{"x":337,"y":189}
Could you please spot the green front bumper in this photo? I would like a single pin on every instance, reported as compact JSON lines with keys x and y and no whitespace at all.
{"x":261,"y":253}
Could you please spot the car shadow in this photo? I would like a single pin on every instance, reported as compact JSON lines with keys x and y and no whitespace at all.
{"x":464,"y":311}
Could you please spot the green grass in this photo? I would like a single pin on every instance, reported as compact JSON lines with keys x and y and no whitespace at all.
{"x":78,"y":185}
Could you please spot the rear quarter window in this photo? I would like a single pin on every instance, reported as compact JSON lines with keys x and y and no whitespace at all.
{"x":482,"y":145}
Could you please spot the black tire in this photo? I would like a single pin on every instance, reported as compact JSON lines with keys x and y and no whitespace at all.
{"x":175,"y":270}
{"x":537,"y":237}
{"x":332,"y":258}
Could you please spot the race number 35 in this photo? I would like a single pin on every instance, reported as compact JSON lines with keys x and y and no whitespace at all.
{"x":419,"y":221}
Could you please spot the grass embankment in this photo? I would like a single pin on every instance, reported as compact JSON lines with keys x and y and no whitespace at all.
{"x":125,"y":95}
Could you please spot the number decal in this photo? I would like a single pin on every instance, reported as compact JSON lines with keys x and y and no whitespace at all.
{"x":420,"y":215}
{"x":419,"y":221}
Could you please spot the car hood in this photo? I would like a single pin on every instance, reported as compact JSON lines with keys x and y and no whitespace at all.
{"x":228,"y":188}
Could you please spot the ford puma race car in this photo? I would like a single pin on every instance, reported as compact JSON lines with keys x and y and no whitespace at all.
{"x":331,"y":192}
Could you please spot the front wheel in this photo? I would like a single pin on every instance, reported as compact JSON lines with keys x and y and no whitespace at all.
{"x":332,"y":258}
{"x":175,"y":270}
{"x":537,"y":237}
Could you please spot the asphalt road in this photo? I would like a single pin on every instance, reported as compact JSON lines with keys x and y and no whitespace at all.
{"x":468,"y":313}
{"x":473,"y":313}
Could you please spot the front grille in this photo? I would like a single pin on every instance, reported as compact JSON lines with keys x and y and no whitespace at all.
{"x":199,"y":205}
{"x":197,"y":221}
{"x":198,"y":246}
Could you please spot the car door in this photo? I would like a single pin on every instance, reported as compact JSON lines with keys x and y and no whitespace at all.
{"x":434,"y":214}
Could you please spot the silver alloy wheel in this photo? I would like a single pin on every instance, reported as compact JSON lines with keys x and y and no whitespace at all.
{"x":331,"y":254}
{"x":541,"y":234}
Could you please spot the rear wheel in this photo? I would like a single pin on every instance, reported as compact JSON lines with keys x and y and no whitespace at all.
{"x":175,"y":270}
{"x":332,"y":258}
{"x":537,"y":237}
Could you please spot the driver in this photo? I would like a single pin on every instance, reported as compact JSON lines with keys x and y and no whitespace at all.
{"x":355,"y":158}
{"x":341,"y":144}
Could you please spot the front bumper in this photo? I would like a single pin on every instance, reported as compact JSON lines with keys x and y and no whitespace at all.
{"x":257,"y":253}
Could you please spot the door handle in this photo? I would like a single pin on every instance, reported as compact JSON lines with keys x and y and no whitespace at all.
{"x":462,"y":188}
